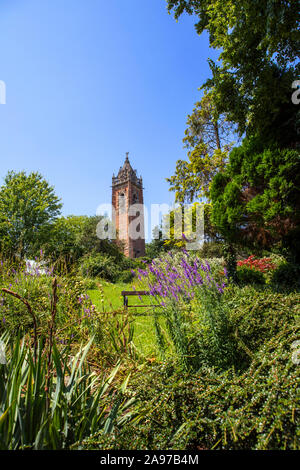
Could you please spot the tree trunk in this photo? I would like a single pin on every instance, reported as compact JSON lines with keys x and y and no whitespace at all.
{"x":216,"y":129}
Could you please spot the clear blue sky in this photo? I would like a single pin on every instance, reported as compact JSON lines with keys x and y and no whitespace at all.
{"x":87,"y":81}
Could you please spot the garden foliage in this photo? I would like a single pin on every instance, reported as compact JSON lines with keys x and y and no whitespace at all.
{"x":224,"y":376}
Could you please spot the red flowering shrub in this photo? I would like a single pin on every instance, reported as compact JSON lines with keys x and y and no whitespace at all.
{"x":263,"y":265}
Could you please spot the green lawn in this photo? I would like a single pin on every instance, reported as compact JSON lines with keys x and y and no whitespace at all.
{"x":112,"y":300}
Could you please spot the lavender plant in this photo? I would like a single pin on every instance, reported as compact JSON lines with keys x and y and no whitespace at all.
{"x":190,"y":295}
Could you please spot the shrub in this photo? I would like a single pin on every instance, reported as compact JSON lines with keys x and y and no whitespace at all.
{"x":36,"y":290}
{"x":211,"y":250}
{"x":286,"y":276}
{"x":125,"y":277}
{"x":99,"y":265}
{"x":209,"y":410}
{"x":15,"y":316}
{"x":90,"y":284}
{"x":262,"y":265}
{"x":247,"y":275}
{"x":255,"y":316}
{"x":213,"y":343}
{"x":109,"y":268}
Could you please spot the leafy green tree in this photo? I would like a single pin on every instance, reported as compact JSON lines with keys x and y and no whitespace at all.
{"x":74,"y":237}
{"x":259,"y":44}
{"x":206,"y":126}
{"x":90,"y":242}
{"x":63,"y":244}
{"x":157,"y":246}
{"x":256,"y":201}
{"x":186,"y":230}
{"x":207,"y":138}
{"x":28,"y":208}
{"x":273,"y":26}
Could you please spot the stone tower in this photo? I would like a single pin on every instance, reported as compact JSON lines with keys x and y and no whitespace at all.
{"x":127,"y":191}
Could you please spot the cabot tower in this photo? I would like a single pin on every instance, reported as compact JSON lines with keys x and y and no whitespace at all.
{"x":128,"y":202}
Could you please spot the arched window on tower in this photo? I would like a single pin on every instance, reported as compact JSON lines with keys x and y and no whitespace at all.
{"x":122,"y":204}
{"x":135,"y":198}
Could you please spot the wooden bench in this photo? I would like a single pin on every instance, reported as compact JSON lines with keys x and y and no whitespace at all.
{"x":139,"y":293}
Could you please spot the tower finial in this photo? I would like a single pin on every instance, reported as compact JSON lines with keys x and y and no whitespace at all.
{"x":127,"y":156}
